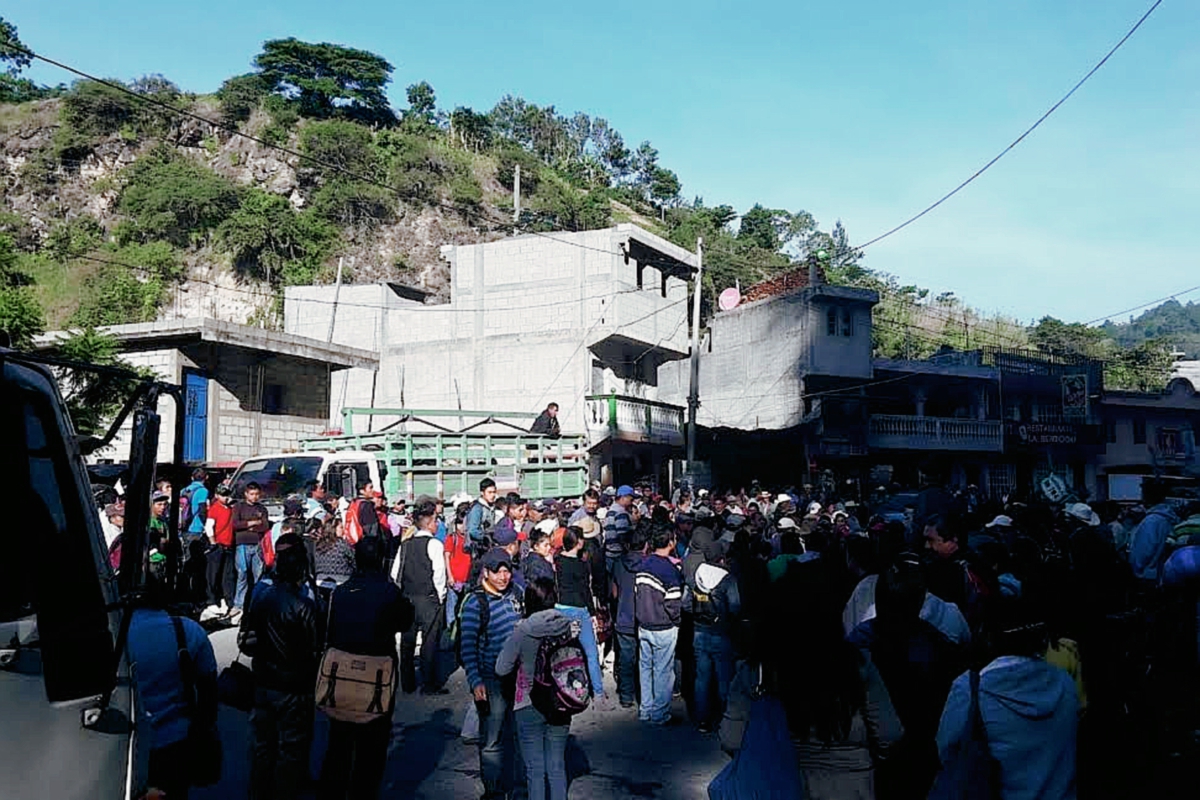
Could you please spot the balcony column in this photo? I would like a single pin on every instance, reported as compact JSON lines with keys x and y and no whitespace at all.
{"x":981,"y":403}
{"x":919,"y":395}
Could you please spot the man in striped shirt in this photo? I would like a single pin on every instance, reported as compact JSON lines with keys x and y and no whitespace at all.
{"x":489,"y":615}
{"x":658,"y":600}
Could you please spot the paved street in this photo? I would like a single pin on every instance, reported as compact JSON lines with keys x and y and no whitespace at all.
{"x":611,"y":755}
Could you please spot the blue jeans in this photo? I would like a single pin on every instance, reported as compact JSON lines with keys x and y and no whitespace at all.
{"x":497,"y":740}
{"x":587,"y":638}
{"x":714,"y":664}
{"x":248,"y":561}
{"x":656,"y":663}
{"x":544,"y":748}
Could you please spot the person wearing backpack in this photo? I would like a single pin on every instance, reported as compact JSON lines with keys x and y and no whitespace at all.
{"x":193,"y":506}
{"x":482,"y":516}
{"x":540,"y":643}
{"x":486,"y":621}
{"x":716,"y":607}
{"x":365,"y":614}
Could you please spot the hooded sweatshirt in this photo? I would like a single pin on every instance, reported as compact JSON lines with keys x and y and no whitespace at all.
{"x":701,"y":537}
{"x":520,"y":649}
{"x":1148,"y":543}
{"x":714,"y":600}
{"x":1029,"y":710}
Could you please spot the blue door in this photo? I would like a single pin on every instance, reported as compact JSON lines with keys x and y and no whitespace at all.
{"x":195,"y":419}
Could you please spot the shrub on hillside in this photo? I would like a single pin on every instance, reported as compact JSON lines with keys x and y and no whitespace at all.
{"x":115,"y":295}
{"x":269,"y":240}
{"x":74,"y":238}
{"x":171,"y":198}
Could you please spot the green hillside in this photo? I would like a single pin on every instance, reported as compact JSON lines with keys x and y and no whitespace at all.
{"x":127,"y":199}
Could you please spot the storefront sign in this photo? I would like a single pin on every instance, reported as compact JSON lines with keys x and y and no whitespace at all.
{"x":1050,"y":434}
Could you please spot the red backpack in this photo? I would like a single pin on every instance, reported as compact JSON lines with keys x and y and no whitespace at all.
{"x":352,"y":530}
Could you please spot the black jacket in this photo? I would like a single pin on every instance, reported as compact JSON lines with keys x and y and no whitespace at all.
{"x":282,"y":632}
{"x":574,"y":582}
{"x":365,"y":614}
{"x":546,"y":425}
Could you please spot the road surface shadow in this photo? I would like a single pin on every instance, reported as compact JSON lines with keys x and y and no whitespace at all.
{"x":415,"y":752}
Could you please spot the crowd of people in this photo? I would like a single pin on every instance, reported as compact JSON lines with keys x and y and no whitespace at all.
{"x":893,"y":640}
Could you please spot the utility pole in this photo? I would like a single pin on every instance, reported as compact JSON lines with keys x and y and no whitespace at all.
{"x":694,"y":382}
{"x":516,"y":193}
{"x":337,"y":290}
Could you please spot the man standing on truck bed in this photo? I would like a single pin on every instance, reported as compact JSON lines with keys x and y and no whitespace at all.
{"x":547,"y":423}
{"x":250,"y":524}
{"x":482,"y":516}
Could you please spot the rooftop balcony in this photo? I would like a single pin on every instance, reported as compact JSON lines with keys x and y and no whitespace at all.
{"x":896,"y":432}
{"x":631,"y":419}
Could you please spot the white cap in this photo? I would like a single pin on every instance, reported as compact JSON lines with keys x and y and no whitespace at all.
{"x":547,"y":526}
{"x":783,"y":498}
{"x":814,"y":508}
{"x":786,"y":523}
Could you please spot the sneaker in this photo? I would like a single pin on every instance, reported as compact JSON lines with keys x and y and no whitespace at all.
{"x":430,"y":692}
{"x":211,"y":612}
{"x":627,"y":703}
{"x":704,"y":728}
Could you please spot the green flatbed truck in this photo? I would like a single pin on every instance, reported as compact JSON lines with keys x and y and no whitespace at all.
{"x":412,"y":452}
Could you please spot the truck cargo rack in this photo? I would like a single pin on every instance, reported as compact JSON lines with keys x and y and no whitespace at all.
{"x":424,"y":455}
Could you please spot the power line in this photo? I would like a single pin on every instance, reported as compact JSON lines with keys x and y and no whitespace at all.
{"x":1016,"y":141}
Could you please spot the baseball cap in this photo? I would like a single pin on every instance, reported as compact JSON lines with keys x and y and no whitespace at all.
{"x":1000,"y":521}
{"x":159,"y":497}
{"x":814,"y":509}
{"x":786,"y":523}
{"x":734,"y":521}
{"x":625,"y":491}
{"x":292,"y":507}
{"x":783,"y":498}
{"x":504,"y":535}
{"x":496,"y":558}
{"x":547,"y":526}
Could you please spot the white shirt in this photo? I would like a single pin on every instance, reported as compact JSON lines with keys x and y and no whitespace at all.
{"x":437,"y":558}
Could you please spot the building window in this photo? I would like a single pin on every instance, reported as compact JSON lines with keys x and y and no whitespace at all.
{"x":1139,"y":431}
{"x":847,"y":323}
{"x":273,"y":398}
{"x":1110,"y":432}
{"x":831,"y":322}
{"x":1170,"y":443}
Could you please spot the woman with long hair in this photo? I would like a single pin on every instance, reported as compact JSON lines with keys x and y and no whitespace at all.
{"x":333,"y":557}
{"x":840,"y":716}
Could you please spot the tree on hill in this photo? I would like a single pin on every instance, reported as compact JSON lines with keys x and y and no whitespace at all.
{"x":328,"y":80}
{"x":21,"y":317}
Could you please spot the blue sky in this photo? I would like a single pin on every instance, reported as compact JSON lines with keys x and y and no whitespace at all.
{"x":862,"y":110}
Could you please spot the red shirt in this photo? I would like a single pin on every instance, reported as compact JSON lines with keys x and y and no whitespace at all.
{"x":222,"y":517}
{"x":460,"y":559}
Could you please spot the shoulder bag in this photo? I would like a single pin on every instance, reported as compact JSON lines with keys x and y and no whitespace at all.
{"x":354,"y":688}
